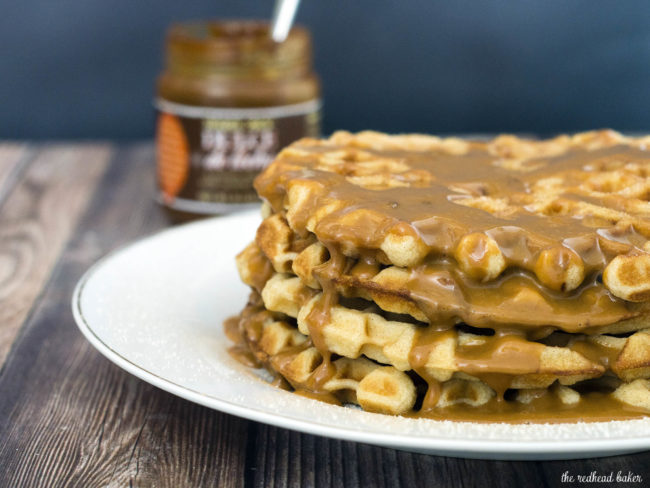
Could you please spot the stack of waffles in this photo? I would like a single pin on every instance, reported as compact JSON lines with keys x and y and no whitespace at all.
{"x":500,"y":280}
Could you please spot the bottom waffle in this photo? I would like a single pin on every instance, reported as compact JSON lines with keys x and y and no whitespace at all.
{"x":360,"y":328}
{"x":272,"y":339}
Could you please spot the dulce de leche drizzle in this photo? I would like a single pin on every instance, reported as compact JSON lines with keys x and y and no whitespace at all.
{"x":426,"y":342}
{"x":434,"y":209}
{"x":514,"y":300}
{"x":436,"y":203}
{"x":495,"y":362}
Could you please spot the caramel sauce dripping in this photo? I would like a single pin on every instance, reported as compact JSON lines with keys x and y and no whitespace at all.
{"x":426,"y":340}
{"x":319,"y":316}
{"x":497,"y":361}
{"x":597,"y":353}
{"x":240,"y":352}
{"x":444,"y":294}
{"x":366,"y":268}
{"x":261,"y":269}
{"x":244,"y":356}
{"x":231,"y":329}
{"x":494,"y":362}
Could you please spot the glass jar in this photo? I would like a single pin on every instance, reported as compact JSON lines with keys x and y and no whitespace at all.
{"x":228,"y":100}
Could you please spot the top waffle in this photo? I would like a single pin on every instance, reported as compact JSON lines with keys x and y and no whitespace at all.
{"x":568,"y":212}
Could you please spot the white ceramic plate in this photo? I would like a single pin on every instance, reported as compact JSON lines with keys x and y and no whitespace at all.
{"x":155,"y":309}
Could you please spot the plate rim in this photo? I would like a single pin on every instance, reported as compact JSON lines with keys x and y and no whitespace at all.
{"x":464,"y":446}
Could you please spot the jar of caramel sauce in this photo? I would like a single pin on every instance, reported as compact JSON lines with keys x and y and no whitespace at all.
{"x":228,"y":100}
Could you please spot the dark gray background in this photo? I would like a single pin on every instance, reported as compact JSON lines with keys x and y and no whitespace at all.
{"x":86,"y":68}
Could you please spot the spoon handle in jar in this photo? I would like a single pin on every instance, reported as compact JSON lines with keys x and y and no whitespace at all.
{"x":283,"y":15}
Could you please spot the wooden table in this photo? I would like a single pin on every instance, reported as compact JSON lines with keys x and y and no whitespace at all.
{"x":70,"y":417}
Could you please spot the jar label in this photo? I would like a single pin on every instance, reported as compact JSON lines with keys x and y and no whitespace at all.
{"x":208,"y":157}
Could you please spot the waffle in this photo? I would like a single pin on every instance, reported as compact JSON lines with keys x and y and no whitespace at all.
{"x":562,"y":209}
{"x":413,"y":274}
{"x":287,"y":353}
{"x":393,"y":290}
{"x":282,"y":349}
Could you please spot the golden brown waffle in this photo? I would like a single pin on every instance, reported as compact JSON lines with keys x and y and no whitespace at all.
{"x":394,"y":290}
{"x":567,"y":358}
{"x":564,"y":210}
{"x":413,"y":273}
{"x":284,"y":351}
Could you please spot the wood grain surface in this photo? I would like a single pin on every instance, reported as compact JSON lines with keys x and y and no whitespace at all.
{"x":68,"y":417}
{"x":36,"y":218}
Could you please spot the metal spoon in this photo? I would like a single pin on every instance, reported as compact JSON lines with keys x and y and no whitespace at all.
{"x":283,"y":15}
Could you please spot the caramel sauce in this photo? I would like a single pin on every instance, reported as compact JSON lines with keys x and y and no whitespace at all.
{"x":494,"y":361}
{"x":510,"y":354}
{"x":497,"y":361}
{"x":596,"y":353}
{"x":431,"y":209}
{"x":366,"y":268}
{"x":231,"y":329}
{"x":593,"y":407}
{"x":319,"y":315}
{"x":244,"y":356}
{"x":426,"y":340}
{"x":314,"y":384}
{"x":318,"y":395}
{"x":240,"y":351}
{"x":261,"y":270}
{"x":280,"y":382}
{"x":516,"y":299}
